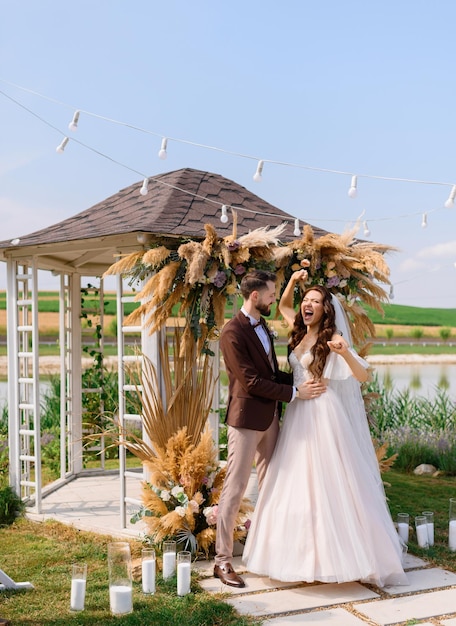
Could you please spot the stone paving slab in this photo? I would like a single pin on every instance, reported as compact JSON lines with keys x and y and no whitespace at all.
{"x":334,"y":617}
{"x":300,"y":598}
{"x":420,"y":580}
{"x":413,"y":562}
{"x":253,"y":583}
{"x":417,"y":606}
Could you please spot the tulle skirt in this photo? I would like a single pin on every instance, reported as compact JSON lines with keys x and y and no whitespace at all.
{"x":322,"y":513}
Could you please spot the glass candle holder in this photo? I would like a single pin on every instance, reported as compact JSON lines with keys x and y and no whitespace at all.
{"x":429,"y":515}
{"x":403,"y":526}
{"x":184,"y":560}
{"x":452,"y":526}
{"x":120,"y":578}
{"x":78,"y":586}
{"x":169,"y":559}
{"x":421,"y":531}
{"x":148,"y":570}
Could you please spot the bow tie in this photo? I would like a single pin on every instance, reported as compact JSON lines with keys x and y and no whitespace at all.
{"x":256,"y":324}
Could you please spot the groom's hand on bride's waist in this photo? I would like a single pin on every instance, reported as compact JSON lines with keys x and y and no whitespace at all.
{"x":310,"y":389}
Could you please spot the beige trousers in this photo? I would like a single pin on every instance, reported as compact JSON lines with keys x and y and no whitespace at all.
{"x":244,"y":447}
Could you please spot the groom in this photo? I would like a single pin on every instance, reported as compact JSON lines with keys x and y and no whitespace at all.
{"x":256,"y":389}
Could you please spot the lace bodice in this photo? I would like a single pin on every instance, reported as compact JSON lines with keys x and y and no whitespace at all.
{"x":300,"y":367}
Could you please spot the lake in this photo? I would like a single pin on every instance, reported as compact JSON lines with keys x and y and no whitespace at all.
{"x":421,"y":378}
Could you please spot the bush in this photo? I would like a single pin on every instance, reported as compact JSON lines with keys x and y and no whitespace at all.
{"x":389,"y":333}
{"x":445,"y":333}
{"x":417,"y":333}
{"x":10,"y":506}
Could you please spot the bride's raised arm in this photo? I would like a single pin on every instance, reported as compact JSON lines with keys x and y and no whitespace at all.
{"x":286,"y":307}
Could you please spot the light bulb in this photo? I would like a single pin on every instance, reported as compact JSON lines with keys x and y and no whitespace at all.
{"x":367,"y":232}
{"x":353,"y":191}
{"x":143,"y":238}
{"x":297,"y":230}
{"x":424,"y":221}
{"x":145,"y":187}
{"x":449,"y":204}
{"x":15,"y":242}
{"x":60,"y":148}
{"x":162,"y":154}
{"x":73,"y":125}
{"x":224,"y":216}
{"x":257,"y":176}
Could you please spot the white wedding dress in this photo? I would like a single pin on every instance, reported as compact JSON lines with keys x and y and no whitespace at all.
{"x":322,"y":513}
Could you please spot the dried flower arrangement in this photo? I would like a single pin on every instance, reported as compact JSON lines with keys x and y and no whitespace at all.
{"x":181,"y":497}
{"x":184,"y":476}
{"x":199,"y":276}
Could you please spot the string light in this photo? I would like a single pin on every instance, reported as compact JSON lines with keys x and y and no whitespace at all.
{"x":61,"y":147}
{"x":246,"y":156}
{"x":144,"y":238}
{"x":367,"y":232}
{"x":259,"y":170}
{"x":424,"y":221}
{"x":449,"y":204}
{"x":224,"y":216}
{"x":15,"y":242}
{"x":297,"y":230}
{"x":145,"y":187}
{"x":353,"y":191}
{"x":162,"y":154}
{"x":391,"y":293}
{"x":73,"y":125}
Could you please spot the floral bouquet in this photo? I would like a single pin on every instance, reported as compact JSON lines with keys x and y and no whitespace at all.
{"x":181,"y":498}
{"x":200,"y":276}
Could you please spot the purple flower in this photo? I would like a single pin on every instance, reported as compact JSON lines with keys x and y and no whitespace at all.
{"x":239,"y":269}
{"x":220,"y":279}
{"x":47,"y":438}
{"x":233,"y":245}
{"x":333,"y":281}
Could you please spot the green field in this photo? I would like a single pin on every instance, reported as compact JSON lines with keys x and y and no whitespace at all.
{"x":397,"y":314}
{"x":394,"y":314}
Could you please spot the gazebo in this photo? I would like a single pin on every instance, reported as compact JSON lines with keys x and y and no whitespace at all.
{"x":177,"y":206}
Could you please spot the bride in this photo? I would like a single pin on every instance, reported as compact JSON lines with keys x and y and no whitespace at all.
{"x":322,"y":514}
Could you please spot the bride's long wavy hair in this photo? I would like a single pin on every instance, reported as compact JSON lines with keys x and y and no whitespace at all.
{"x":320,"y":349}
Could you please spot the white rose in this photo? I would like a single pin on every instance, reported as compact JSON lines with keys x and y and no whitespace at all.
{"x":165,"y":495}
{"x":180,"y":510}
{"x":175,"y":491}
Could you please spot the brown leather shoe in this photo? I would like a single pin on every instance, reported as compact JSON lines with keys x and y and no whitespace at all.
{"x":228,"y":576}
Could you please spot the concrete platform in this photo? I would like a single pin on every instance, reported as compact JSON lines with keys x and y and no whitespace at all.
{"x":92,"y":503}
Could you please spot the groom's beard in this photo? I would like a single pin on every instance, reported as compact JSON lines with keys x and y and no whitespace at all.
{"x":264,"y":309}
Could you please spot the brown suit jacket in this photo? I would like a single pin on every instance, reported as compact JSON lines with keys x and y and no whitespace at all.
{"x":255,"y":387}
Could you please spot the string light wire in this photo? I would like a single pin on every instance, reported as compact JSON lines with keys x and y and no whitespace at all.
{"x":229,"y":152}
{"x":260,"y":165}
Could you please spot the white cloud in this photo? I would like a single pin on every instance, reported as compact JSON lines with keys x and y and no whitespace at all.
{"x":445,"y":250}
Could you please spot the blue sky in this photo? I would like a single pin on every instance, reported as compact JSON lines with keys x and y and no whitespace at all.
{"x":365,"y":88}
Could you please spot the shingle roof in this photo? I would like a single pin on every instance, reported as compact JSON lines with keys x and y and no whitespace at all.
{"x":178,"y":204}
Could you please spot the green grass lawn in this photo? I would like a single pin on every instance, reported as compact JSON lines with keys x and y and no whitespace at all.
{"x":43,"y":552}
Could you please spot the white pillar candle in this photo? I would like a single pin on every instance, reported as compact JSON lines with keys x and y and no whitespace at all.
{"x":430,"y":533}
{"x":183,"y":578}
{"x":120,"y":599}
{"x":78,"y":588}
{"x":403,"y":530}
{"x":148,"y":576}
{"x":452,"y":535}
{"x":422,"y":535}
{"x":169,"y":564}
